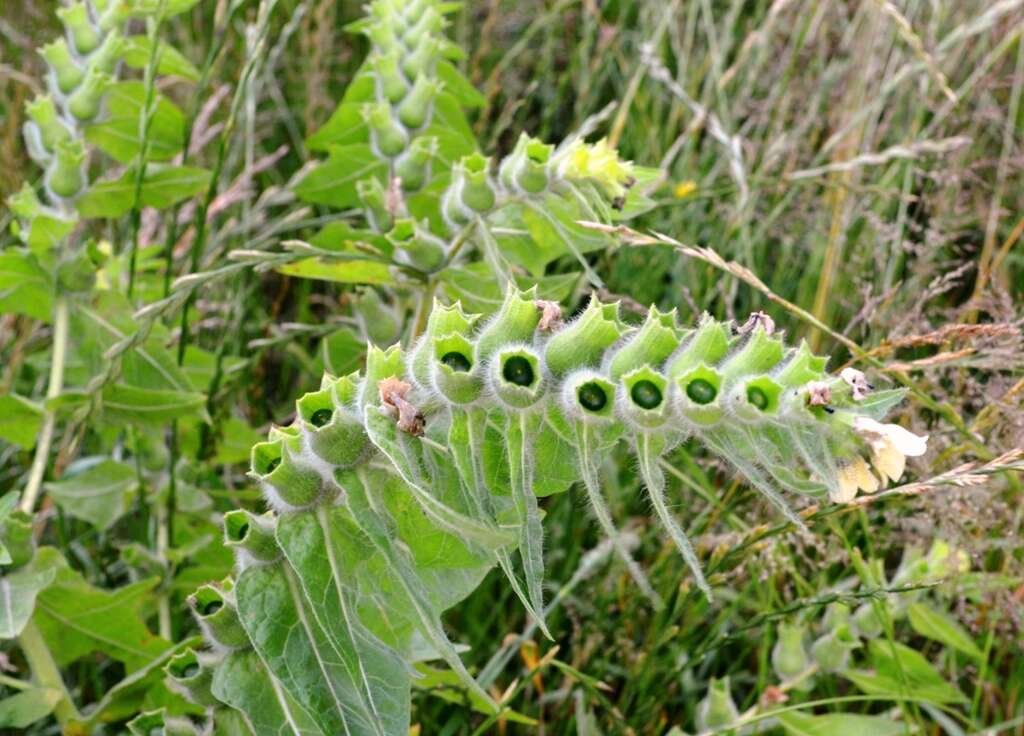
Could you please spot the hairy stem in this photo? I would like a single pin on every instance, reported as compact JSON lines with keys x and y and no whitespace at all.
{"x":588,"y":470}
{"x":44,"y":670}
{"x":56,"y":385}
{"x":654,"y":479}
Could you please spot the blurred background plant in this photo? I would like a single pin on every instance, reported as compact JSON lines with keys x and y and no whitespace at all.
{"x":859,"y":162}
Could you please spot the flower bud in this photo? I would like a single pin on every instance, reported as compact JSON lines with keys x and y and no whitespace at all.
{"x":375,"y":204}
{"x":214,"y":608}
{"x":644,"y":398}
{"x":583,"y":341}
{"x":84,"y":103}
{"x":52,"y":130}
{"x":108,"y":54}
{"x":66,"y":174}
{"x":516,"y":376}
{"x":600,"y":164}
{"x":253,"y":534}
{"x":416,"y":246}
{"x":390,"y":80}
{"x":652,"y":344}
{"x":389,"y":138}
{"x":413,"y":166}
{"x":382,"y":36}
{"x":192,"y":676}
{"x":717,"y":709}
{"x":789,"y":656}
{"x":332,"y":432}
{"x":589,"y":396}
{"x":428,"y":23}
{"x":65,"y":68}
{"x":470,"y":192}
{"x":836,"y":615}
{"x":276,"y":465}
{"x":112,"y":13}
{"x":867,"y":622}
{"x":832,"y":650}
{"x":421,"y":59}
{"x":526,"y":168}
{"x":85,"y":35}
{"x":516,"y":321}
{"x":414,"y":110}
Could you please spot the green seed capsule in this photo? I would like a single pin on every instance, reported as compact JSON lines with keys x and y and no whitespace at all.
{"x":241,"y":531}
{"x":701,"y":391}
{"x":646,"y":394}
{"x":460,"y":363}
{"x":321,"y":417}
{"x":592,"y":396}
{"x":518,"y":370}
{"x":757,"y":397}
{"x":211,"y":607}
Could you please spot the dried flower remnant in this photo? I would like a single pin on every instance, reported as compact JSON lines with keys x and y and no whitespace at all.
{"x":857,"y":382}
{"x":819,"y":394}
{"x":755,"y":320}
{"x":393,"y":394}
{"x":551,"y":315}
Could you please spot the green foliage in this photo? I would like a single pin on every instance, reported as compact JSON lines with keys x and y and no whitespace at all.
{"x":210,"y":231}
{"x":361,"y":559}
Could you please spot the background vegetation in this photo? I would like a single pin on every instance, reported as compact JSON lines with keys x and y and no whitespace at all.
{"x":861,"y":162}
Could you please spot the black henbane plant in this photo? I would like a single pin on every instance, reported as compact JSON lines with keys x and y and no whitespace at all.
{"x":394,"y":492}
{"x":402,"y":158}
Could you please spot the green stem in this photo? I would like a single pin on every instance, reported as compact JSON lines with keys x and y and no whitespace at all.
{"x":56,"y":385}
{"x":14,"y":683}
{"x":44,"y":670}
{"x":145,"y":121}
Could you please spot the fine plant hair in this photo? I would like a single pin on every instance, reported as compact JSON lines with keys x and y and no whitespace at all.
{"x":395,"y":491}
{"x":510,"y":496}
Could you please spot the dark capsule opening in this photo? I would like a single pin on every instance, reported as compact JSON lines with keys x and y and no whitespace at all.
{"x":518,"y":370}
{"x":757,"y":397}
{"x":210,"y":607}
{"x":272,"y":465}
{"x":456,"y":361}
{"x":236,"y":525}
{"x":184,"y":667}
{"x":646,"y":394}
{"x":592,"y":396}
{"x":321,"y":417}
{"x":701,"y":391}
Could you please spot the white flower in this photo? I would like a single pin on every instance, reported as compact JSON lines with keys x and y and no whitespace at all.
{"x":853,"y":475}
{"x":890,"y":445}
{"x":857,"y":381}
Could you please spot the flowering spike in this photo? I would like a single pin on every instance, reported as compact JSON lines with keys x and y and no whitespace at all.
{"x":527,"y":405}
